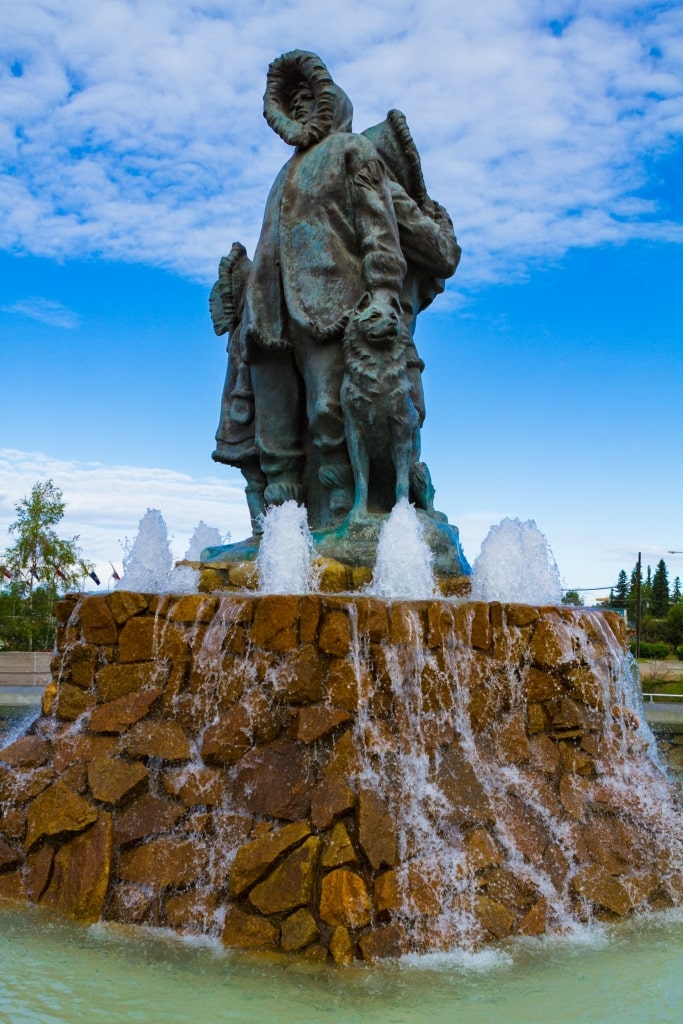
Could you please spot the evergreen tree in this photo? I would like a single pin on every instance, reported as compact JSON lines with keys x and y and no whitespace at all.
{"x":632,"y":600}
{"x":676,"y":594}
{"x":572,"y":597}
{"x":619,"y":596}
{"x":659,"y":603}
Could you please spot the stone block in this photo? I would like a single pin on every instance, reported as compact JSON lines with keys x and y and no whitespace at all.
{"x":136,"y":642}
{"x":329,"y":800}
{"x":291,"y":884}
{"x":275,"y":622}
{"x":341,"y":945}
{"x":27,"y":752}
{"x":111,"y":779}
{"x":80,"y":662}
{"x":254,"y":860}
{"x":493,"y":916}
{"x":228,"y":739}
{"x":57,"y":811}
{"x":276,"y":781}
{"x":197,"y":785}
{"x":165,"y":861}
{"x":81,"y":873}
{"x":376,"y":830}
{"x":96,"y":621}
{"x":248,"y":931}
{"x":159,"y":739}
{"x":71,"y":702}
{"x":117,"y":715}
{"x":594,"y":882}
{"x":193,"y":608}
{"x":318,"y":720}
{"x":299,"y":678}
{"x":124,"y":604}
{"x":344,"y":899}
{"x":339,"y":849}
{"x":389,"y":942}
{"x":148,"y":816}
{"x":114,"y":681}
{"x":335,"y":634}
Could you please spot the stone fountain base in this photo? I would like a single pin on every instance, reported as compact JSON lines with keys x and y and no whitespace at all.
{"x":337,"y":776}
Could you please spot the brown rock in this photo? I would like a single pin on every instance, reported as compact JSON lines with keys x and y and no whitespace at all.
{"x":574,"y":759}
{"x":275,"y":622}
{"x":376,"y":831}
{"x":339,"y":849}
{"x":248,"y":931}
{"x":243,"y":575}
{"x":341,"y":687}
{"x":129,"y":904}
{"x":335,"y":634}
{"x":49,"y":697}
{"x":331,"y":798}
{"x":117,"y":715}
{"x":543,"y":754}
{"x":512,"y":890}
{"x":163,"y":862}
{"x":373,"y":621}
{"x":511,"y":740}
{"x":14,"y":823}
{"x":276,"y":780}
{"x":123,"y":604}
{"x":196,"y":785}
{"x":111,"y":779}
{"x":193,"y":608}
{"x":341,"y":945}
{"x":26,"y":752}
{"x":291,"y":883}
{"x":228,"y":739}
{"x":309,"y":618}
{"x":537,"y":720}
{"x":534,"y":921}
{"x":65,"y":607}
{"x":520,"y":614}
{"x":299,"y":678}
{"x":493,"y":916}
{"x":383,"y":943}
{"x":388,"y":896}
{"x":82,"y":662}
{"x":318,"y":720}
{"x":97,"y":622}
{"x":39,"y":871}
{"x":13,"y":887}
{"x":361,"y":575}
{"x":569,"y":719}
{"x":115,"y":681}
{"x":573,"y":794}
{"x":255,"y":859}
{"x":136,"y":642}
{"x":147,"y":816}
{"x":596,"y":884}
{"x":467,"y":801}
{"x":333,"y":576}
{"x":76,"y":747}
{"x":527,"y":829}
{"x":193,"y":911}
{"x":165,"y":740}
{"x":9,"y":857}
{"x":71,"y":702}
{"x":23,"y":786}
{"x":540,"y":686}
{"x":298,"y":930}
{"x":482,"y":850}
{"x":81,"y":872}
{"x":551,"y":644}
{"x":440,"y":625}
{"x":57,"y":811}
{"x":344,"y":899}
{"x":424,"y":888}
{"x":481,"y":632}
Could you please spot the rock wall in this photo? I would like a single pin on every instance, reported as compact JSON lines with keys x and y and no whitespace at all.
{"x":335,"y":776}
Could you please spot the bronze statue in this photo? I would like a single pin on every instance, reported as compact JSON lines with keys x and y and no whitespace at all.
{"x":323,"y":400}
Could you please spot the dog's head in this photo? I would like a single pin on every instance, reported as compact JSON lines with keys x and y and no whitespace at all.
{"x":377,"y":324}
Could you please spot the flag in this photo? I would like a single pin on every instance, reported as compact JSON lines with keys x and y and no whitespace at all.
{"x":93,"y":576}
{"x":34,"y":573}
{"x":58,"y":572}
{"x":5,"y":572}
{"x":114,"y":572}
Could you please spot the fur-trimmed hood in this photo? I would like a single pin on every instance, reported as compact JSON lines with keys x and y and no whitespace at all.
{"x":333,"y":110}
{"x":394,"y":143}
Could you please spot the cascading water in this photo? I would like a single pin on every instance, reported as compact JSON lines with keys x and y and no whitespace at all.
{"x":404,"y":562}
{"x":516,"y":564}
{"x":286,"y":557}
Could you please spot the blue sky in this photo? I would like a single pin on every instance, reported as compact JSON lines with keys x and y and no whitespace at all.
{"x":133,"y":152}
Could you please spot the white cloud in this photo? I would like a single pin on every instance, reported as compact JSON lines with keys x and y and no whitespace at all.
{"x":105,"y":503}
{"x":134,"y":130}
{"x":45,"y":311}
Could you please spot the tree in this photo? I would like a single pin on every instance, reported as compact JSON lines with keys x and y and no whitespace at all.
{"x":676,"y":597}
{"x":39,"y":563}
{"x":659,"y":603}
{"x":572,"y":597}
{"x":619,"y":596}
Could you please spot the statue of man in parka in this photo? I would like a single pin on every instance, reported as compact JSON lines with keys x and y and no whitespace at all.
{"x":329,"y":236}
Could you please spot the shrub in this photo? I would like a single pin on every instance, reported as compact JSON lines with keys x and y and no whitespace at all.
{"x":679,"y":652}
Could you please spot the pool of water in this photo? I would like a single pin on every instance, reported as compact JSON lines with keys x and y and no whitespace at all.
{"x":54,"y":972}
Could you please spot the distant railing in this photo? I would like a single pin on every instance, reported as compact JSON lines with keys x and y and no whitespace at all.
{"x":665,"y":696}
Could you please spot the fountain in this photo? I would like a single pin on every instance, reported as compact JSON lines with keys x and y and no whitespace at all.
{"x":340,"y":775}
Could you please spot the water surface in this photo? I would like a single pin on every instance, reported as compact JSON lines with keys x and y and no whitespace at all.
{"x":54,"y":972}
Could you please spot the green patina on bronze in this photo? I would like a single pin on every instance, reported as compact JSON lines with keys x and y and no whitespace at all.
{"x":323,"y":400}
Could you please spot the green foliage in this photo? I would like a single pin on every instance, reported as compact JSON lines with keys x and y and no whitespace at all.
{"x":572,"y":597}
{"x":679,"y":652}
{"x":674,"y":625}
{"x":659,"y":604}
{"x":660,"y":651}
{"x":41,"y":564}
{"x":619,"y":596}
